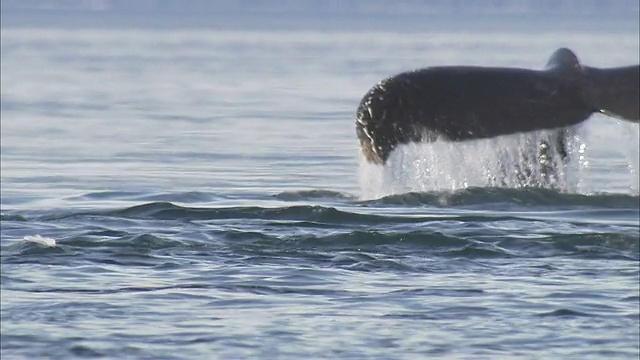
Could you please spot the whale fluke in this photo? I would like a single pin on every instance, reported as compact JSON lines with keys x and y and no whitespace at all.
{"x":616,"y":91}
{"x":458,"y":103}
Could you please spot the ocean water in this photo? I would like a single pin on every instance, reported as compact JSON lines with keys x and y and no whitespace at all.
{"x":198,"y":193}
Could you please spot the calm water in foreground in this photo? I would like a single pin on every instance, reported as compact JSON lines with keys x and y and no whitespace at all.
{"x":199,"y":194}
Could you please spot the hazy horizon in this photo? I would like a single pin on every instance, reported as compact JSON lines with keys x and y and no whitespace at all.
{"x":618,"y":15}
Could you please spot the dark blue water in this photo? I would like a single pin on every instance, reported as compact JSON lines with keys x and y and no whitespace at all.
{"x":198,"y":193}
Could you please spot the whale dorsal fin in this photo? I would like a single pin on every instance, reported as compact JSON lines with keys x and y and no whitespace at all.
{"x":565,"y":61}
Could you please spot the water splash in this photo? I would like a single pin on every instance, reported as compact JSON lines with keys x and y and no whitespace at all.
{"x":553,"y":159}
{"x":42,"y":240}
{"x":632,"y":156}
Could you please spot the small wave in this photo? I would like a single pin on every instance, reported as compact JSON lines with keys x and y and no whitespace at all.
{"x":141,"y":242}
{"x":565,"y":313}
{"x":165,"y":211}
{"x":106,"y":195}
{"x":632,"y":299}
{"x":310,"y":213}
{"x":357,"y":240}
{"x":137,"y":247}
{"x":509,"y":196}
{"x":358,"y":250}
{"x":25,"y":250}
{"x":424,"y":243}
{"x":42,"y":240}
{"x":85,"y":351}
{"x":183,"y":197}
{"x":12,"y":217}
{"x":453,"y":312}
{"x":313,"y":195}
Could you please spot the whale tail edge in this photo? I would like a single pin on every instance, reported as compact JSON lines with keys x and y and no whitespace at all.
{"x":616,"y":91}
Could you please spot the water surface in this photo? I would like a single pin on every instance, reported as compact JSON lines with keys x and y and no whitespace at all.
{"x":204,"y":197}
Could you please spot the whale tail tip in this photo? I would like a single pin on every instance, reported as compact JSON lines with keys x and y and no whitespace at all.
{"x":616,"y":91}
{"x":611,"y":91}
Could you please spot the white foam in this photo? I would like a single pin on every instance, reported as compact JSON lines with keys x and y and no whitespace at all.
{"x":506,"y":161}
{"x":42,"y":240}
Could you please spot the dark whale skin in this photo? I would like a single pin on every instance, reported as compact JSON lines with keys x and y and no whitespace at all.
{"x":460,"y":103}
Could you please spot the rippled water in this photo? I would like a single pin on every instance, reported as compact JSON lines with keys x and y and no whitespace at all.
{"x":198,"y":194}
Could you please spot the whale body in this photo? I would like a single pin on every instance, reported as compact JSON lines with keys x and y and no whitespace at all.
{"x":459,"y":103}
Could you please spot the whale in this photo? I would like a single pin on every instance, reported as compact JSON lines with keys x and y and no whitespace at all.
{"x":462,"y":103}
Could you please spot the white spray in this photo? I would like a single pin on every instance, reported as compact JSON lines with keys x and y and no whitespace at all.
{"x":514,"y":161}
